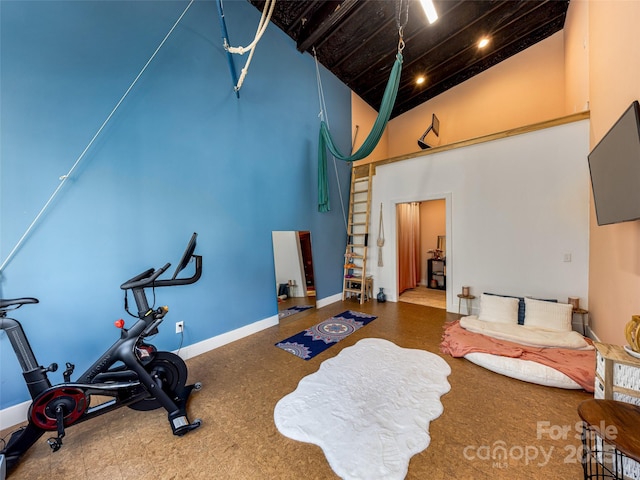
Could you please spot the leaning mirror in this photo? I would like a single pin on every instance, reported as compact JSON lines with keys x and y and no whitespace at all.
{"x":294,"y":280}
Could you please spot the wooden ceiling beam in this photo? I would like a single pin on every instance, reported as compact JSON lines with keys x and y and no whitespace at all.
{"x":325,"y":20}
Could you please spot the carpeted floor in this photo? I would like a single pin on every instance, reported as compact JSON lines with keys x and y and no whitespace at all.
{"x":484,"y":414}
{"x":428,"y":297}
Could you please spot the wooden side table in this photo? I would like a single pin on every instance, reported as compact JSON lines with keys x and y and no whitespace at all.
{"x":617,"y":374}
{"x":368,"y":288}
{"x":468,"y":298}
{"x":610,"y":439}
{"x":582,"y":312}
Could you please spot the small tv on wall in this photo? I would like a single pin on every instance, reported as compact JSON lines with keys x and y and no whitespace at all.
{"x":615,"y":170}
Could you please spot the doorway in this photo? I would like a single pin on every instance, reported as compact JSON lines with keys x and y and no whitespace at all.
{"x":422,"y":253}
{"x":307,"y":263}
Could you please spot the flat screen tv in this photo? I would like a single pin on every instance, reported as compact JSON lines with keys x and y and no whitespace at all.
{"x":615,"y":170}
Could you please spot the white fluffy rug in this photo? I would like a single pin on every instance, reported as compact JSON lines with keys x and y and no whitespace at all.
{"x":368,"y":408}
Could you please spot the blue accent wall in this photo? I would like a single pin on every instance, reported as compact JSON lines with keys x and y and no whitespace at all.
{"x":182,"y":154}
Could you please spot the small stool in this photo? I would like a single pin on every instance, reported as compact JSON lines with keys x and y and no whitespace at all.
{"x":468,"y":298}
{"x":368,"y":287}
{"x":582,"y":312}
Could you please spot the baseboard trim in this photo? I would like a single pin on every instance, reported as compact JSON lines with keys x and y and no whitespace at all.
{"x":329,"y":300}
{"x":212,"y":343}
{"x":16,"y":414}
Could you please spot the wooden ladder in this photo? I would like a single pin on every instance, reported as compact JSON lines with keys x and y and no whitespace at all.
{"x":355,"y":258}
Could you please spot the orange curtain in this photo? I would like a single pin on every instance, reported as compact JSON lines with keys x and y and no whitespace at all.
{"x":408,"y":219}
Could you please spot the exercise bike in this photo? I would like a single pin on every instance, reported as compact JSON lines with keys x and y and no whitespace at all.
{"x":130,"y":373}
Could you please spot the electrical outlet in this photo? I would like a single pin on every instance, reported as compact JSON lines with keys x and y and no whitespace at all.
{"x":179,"y":327}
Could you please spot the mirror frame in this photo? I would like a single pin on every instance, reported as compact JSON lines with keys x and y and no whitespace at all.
{"x":296,"y":286}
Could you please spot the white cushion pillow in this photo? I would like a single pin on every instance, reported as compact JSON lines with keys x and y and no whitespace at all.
{"x":548,"y":315}
{"x":494,"y":308}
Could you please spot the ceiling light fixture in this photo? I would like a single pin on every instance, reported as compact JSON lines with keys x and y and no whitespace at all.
{"x":429,"y":10}
{"x":420,"y":80}
{"x":483,"y":42}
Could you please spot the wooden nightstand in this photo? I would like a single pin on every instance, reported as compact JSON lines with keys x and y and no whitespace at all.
{"x":582,"y":312}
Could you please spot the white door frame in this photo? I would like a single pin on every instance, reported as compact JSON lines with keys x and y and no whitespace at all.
{"x":447,"y":197}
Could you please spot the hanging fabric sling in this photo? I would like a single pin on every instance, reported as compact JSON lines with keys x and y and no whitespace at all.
{"x":325,"y":140}
{"x":388,"y":100}
{"x":380,"y":239}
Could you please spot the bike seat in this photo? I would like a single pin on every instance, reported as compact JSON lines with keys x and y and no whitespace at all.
{"x":18,"y":302}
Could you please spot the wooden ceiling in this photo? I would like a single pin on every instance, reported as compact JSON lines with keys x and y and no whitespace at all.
{"x":357,"y":40}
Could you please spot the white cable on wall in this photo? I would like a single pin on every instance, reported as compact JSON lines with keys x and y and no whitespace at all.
{"x":65,"y":177}
{"x":324,"y":116}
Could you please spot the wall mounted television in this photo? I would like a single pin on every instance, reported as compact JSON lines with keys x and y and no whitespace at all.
{"x":614,"y":164}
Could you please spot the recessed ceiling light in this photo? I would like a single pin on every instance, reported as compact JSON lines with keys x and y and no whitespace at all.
{"x":420,"y":80}
{"x":483,"y":42}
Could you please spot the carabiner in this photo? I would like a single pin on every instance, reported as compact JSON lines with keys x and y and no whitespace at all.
{"x":401,"y":40}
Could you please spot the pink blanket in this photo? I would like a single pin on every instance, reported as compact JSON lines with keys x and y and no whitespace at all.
{"x":579,"y":365}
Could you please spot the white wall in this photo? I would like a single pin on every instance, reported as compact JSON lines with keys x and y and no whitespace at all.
{"x":515,"y":207}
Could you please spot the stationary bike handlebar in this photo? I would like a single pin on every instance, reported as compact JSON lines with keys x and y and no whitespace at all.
{"x":183,"y":281}
{"x":149,"y":277}
{"x":145,"y":278}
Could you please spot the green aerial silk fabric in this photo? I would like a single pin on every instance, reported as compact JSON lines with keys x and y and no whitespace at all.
{"x":325,"y":141}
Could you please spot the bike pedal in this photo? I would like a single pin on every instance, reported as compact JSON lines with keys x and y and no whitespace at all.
{"x":54,"y":443}
{"x":68,"y":372}
{"x":181,"y":425}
